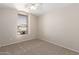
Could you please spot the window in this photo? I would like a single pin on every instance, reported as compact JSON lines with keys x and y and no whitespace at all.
{"x":22,"y":24}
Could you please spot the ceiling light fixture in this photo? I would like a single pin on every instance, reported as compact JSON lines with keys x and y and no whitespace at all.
{"x":27,"y":7}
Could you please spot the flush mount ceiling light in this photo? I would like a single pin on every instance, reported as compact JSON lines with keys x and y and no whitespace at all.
{"x":28,"y":7}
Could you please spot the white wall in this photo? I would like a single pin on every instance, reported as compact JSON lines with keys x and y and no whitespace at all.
{"x":8,"y":22}
{"x":61,"y":26}
{"x":33,"y":22}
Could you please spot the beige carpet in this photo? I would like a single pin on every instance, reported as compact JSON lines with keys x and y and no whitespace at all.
{"x":35,"y":47}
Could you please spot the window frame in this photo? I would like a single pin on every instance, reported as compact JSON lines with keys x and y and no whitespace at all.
{"x":26,"y":22}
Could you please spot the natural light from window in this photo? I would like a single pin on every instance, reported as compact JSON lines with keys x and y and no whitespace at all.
{"x":22,"y":24}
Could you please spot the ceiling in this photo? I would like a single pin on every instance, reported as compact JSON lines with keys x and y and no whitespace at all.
{"x":43,"y":8}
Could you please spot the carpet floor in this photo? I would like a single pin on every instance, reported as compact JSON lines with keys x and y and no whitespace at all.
{"x":35,"y":47}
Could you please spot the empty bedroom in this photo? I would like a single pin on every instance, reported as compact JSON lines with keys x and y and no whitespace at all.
{"x":39,"y":28}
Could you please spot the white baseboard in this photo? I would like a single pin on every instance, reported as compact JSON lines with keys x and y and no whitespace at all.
{"x":17,"y":41}
{"x":60,"y":45}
